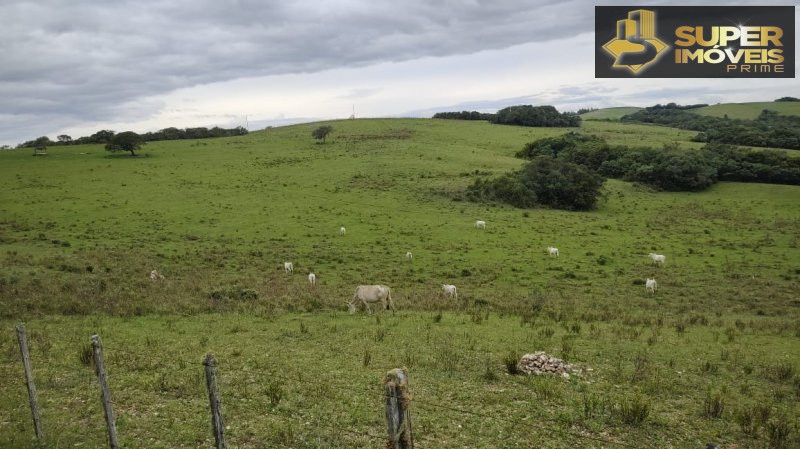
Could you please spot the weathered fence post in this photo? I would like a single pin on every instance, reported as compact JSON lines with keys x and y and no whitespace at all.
{"x":398,"y":417}
{"x":213,"y":398}
{"x":26,"y":362}
{"x":105,"y":392}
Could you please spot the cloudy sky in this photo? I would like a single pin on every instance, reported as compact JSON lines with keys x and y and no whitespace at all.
{"x":77,"y":66}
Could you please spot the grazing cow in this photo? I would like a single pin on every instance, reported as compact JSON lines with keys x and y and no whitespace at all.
{"x":650,"y":285}
{"x":450,"y":290}
{"x":658,"y":259}
{"x":409,"y":256}
{"x":480,"y":224}
{"x":367,"y":294}
{"x":342,"y":231}
{"x":312,"y":279}
{"x":288,"y":267}
{"x":155,"y":275}
{"x":552,"y":251}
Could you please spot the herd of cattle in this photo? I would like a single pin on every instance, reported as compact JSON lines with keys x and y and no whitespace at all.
{"x":373,"y":294}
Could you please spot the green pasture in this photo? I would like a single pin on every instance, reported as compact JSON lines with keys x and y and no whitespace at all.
{"x":80,"y":230}
{"x":609,"y":113}
{"x":749,"y":111}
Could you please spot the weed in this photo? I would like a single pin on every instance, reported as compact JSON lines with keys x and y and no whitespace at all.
{"x":745,"y":418}
{"x":85,"y":355}
{"x":713,"y":405}
{"x":274,"y":392}
{"x":710,"y":368}
{"x":489,"y":374}
{"x":546,"y":332}
{"x":633,"y":410}
{"x":511,"y":362}
{"x":380,"y":334}
{"x":438,"y":317}
{"x":778,"y":430}
{"x":641,"y":368}
{"x":593,"y":406}
{"x":779,"y":371}
{"x":366,"y":358}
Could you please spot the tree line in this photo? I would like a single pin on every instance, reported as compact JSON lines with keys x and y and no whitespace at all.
{"x":770,"y":129}
{"x":523,"y":115}
{"x":567,"y":172}
{"x":105,"y":136}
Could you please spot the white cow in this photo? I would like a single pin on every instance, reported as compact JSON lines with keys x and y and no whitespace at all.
{"x":409,"y":256}
{"x":312,"y":279}
{"x":552,"y":251}
{"x":658,"y":259}
{"x":480,"y":224}
{"x":650,"y":285}
{"x":342,"y":231}
{"x":367,"y":294}
{"x":155,"y":275}
{"x":288,"y":267}
{"x":450,"y":290}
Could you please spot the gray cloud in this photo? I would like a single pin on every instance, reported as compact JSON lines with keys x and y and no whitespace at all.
{"x":81,"y":60}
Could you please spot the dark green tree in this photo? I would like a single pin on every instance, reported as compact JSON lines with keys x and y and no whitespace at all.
{"x":322,"y":132}
{"x":125,"y":141}
{"x":64,"y":139}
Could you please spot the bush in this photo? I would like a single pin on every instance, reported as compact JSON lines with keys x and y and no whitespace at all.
{"x":527,"y":115}
{"x":464,"y":115}
{"x":633,"y":410}
{"x":511,"y":362}
{"x":543,"y":181}
{"x":669,"y":167}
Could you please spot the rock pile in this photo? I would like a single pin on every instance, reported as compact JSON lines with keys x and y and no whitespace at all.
{"x":542,"y":363}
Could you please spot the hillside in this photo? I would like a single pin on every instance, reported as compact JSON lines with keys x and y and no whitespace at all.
{"x":609,"y":113}
{"x":80,"y":229}
{"x":749,"y":110}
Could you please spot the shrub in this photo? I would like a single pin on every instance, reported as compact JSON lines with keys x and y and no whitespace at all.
{"x":543,"y":181}
{"x":527,"y":115}
{"x":778,"y":430}
{"x":511,"y":362}
{"x":633,"y":410}
{"x":713,"y":405}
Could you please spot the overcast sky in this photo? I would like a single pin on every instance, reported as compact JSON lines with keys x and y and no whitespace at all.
{"x":77,"y":66}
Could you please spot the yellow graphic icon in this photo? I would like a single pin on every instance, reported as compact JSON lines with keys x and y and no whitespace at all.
{"x":636,"y":44}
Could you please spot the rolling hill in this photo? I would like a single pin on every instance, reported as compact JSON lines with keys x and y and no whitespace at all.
{"x":80,"y":229}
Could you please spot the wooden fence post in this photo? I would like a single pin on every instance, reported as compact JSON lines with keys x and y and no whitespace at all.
{"x":105,"y":392}
{"x":213,"y":398}
{"x":26,"y":362}
{"x":398,"y":417}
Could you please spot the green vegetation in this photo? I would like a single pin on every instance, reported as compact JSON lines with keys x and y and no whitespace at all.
{"x":321,"y":133}
{"x":544,"y":181}
{"x":609,"y":113}
{"x":464,"y":115}
{"x":670,"y":167}
{"x":749,"y":111}
{"x":81,"y":229}
{"x":106,"y":135}
{"x":125,"y":141}
{"x":527,"y":115}
{"x":768,"y":130}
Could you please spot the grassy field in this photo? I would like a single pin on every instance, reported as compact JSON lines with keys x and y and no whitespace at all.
{"x":80,"y":230}
{"x":750,"y":110}
{"x":609,"y":113}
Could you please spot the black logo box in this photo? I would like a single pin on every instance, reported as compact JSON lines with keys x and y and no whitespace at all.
{"x":669,"y":18}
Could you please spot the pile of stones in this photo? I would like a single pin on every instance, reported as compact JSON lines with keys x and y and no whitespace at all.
{"x":542,"y":363}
